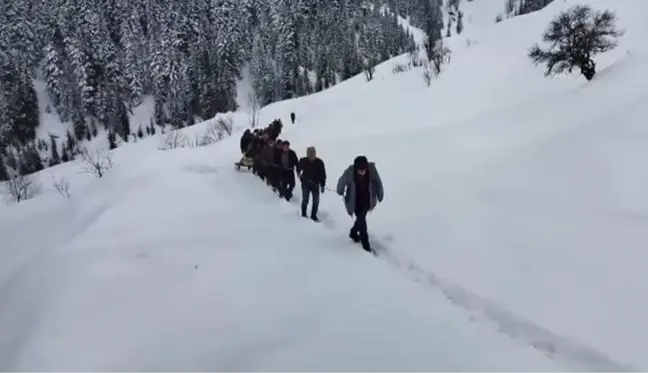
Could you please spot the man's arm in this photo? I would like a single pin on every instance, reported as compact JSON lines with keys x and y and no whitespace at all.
{"x":323,"y":171}
{"x":342,"y":183}
{"x":380,"y":192}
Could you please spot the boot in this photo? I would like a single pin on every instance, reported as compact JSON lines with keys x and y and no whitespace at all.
{"x":314,"y":217}
{"x":364,"y":240}
{"x":354,"y":236}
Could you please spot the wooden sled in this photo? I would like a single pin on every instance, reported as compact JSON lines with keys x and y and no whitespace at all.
{"x":244,"y":162}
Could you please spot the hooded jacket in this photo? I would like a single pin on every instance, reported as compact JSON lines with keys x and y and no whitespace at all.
{"x":346,"y":187}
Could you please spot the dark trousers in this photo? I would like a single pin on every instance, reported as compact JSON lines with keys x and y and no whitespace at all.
{"x":262,"y":170}
{"x":255,"y":168}
{"x":308,"y":189}
{"x":271,"y":176}
{"x":286,"y":184}
{"x":359,"y":229}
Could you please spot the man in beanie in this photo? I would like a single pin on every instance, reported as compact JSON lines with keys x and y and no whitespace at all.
{"x":362,"y":189}
{"x":312,"y":175}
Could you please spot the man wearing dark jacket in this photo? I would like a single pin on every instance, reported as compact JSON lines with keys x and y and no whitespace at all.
{"x":275,"y":128}
{"x":312,"y":175}
{"x":246,"y":140}
{"x":286,"y":161}
{"x":276,"y":169}
{"x":362,"y":188}
{"x":260,"y":142}
{"x":266,"y":160}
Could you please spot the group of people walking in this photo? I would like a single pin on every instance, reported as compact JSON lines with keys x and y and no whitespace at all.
{"x":278,"y":165}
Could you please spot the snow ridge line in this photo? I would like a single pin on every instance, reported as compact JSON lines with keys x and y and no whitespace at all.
{"x":571,"y":352}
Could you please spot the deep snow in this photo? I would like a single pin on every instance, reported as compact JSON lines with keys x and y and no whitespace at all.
{"x":182,"y":264}
{"x":512,"y":234}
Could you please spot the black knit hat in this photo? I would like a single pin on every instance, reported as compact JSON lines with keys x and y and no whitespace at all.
{"x":360,"y":162}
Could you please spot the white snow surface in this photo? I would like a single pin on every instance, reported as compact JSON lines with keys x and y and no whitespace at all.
{"x":512,"y":236}
{"x":182,"y":264}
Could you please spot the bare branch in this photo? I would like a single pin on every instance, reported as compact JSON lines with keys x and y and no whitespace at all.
{"x":213,"y":134}
{"x":427,"y":73}
{"x":96,"y":163}
{"x":440,"y":55}
{"x":575,"y":36}
{"x":370,"y":68}
{"x":62,"y":186}
{"x":21,"y":187}
{"x":172,"y":140}
{"x":226,"y":125}
{"x":255,"y":109}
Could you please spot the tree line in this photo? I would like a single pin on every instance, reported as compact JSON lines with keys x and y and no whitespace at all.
{"x":100,"y":58}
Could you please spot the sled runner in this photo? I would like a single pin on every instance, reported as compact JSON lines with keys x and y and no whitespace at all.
{"x":244,"y":162}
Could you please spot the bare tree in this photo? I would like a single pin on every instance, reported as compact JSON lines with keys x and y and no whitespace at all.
{"x":401,"y":68}
{"x":511,"y":8}
{"x":414,"y":57}
{"x":439,"y":56}
{"x":226,"y":125}
{"x":427,"y":73}
{"x":172,"y":140}
{"x":96,"y":163}
{"x":62,"y":186}
{"x":213,"y":134}
{"x":575,"y":37}
{"x":255,"y":109}
{"x":21,"y":187}
{"x":370,"y":68}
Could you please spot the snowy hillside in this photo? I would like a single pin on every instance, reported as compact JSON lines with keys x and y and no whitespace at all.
{"x":512,"y":235}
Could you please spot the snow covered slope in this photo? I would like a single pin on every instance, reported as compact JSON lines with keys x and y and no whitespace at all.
{"x":529,"y":192}
{"x":179,"y":263}
{"x":512,"y":234}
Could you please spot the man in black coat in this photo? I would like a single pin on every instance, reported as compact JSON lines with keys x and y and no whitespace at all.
{"x":246,"y":140}
{"x":276,"y":166}
{"x":275,"y":128}
{"x":286,"y":161}
{"x":259,"y":142}
{"x":312,"y":175}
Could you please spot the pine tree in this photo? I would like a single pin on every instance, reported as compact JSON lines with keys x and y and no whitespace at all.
{"x":371,"y":44}
{"x":93,"y":128}
{"x":112,"y":140}
{"x":530,"y":6}
{"x":4,"y":175}
{"x":79,"y":125}
{"x":54,"y":158}
{"x":152,"y":126}
{"x":64,"y":155}
{"x":101,"y":58}
{"x":459,"y":22}
{"x":29,"y":160}
{"x":71,"y":144}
